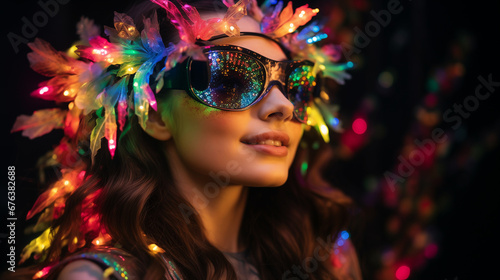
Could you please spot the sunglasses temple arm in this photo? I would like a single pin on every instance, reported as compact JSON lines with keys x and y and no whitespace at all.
{"x":176,"y":78}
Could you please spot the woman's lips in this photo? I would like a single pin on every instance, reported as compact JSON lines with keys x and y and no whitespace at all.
{"x":272,"y":143}
{"x":269,"y":142}
{"x":281,"y":151}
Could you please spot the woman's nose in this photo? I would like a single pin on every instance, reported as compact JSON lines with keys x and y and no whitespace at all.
{"x":275,"y":105}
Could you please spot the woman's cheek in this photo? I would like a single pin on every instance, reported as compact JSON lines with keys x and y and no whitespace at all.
{"x":210,"y":117}
{"x":206,"y":136}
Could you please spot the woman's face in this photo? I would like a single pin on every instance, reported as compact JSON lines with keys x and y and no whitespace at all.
{"x":240,"y":147}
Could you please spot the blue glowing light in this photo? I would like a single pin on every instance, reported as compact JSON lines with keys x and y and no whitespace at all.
{"x":340,"y":242}
{"x":334,"y":122}
{"x":317,"y":38}
{"x":344,"y":234}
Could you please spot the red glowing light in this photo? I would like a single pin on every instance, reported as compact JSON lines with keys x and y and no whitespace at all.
{"x":359,"y":126}
{"x":403,"y":272}
{"x":42,"y":272}
{"x":81,"y":175}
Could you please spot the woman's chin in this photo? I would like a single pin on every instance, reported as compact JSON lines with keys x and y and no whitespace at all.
{"x":271,"y":180}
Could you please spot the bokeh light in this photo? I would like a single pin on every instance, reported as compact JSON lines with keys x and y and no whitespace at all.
{"x":403,"y":272}
{"x":359,"y":126}
{"x":386,"y":79}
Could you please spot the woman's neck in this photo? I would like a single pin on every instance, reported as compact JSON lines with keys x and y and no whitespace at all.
{"x":222,"y":218}
{"x":220,"y":206}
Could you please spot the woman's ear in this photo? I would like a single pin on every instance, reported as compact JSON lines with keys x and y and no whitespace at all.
{"x":156,"y":127}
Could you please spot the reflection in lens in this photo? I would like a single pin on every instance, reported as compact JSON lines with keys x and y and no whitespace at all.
{"x":301,"y":83}
{"x":236,"y":80}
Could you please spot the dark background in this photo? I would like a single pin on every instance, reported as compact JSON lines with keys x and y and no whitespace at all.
{"x":423,"y":43}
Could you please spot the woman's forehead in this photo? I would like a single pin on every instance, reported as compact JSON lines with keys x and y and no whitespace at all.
{"x":246,"y":23}
{"x":261,"y":45}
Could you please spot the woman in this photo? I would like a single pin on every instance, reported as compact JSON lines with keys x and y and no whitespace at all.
{"x":201,"y":178}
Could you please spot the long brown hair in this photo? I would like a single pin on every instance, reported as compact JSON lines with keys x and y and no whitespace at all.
{"x":138,"y":204}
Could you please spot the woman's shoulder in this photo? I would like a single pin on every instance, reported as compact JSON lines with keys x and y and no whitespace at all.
{"x":81,"y":270}
{"x":95,"y":263}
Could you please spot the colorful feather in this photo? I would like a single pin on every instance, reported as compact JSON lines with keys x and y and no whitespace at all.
{"x":96,"y":135}
{"x":86,"y":29}
{"x":317,"y":121}
{"x":61,"y":88}
{"x":122,"y":103}
{"x":271,"y":21}
{"x":37,"y":246}
{"x":62,"y":187}
{"x":234,"y":13}
{"x":99,"y":50}
{"x":150,"y":36}
{"x":287,"y":21}
{"x":87,"y":96}
{"x":183,"y":26}
{"x":47,"y":61}
{"x":72,"y":120}
{"x":254,"y":11}
{"x":40,"y":123}
{"x":125,"y":27}
{"x":110,"y":129}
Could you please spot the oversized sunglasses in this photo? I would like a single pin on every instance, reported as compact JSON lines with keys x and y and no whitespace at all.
{"x":234,"y":78}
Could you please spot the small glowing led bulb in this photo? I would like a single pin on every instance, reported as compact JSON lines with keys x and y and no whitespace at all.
{"x":43,"y":90}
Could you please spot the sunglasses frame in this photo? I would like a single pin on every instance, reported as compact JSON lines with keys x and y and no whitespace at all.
{"x":276,"y":73}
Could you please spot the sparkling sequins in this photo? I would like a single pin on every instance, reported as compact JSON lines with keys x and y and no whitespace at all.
{"x":236,"y":80}
{"x":301,"y":85}
{"x":115,"y":263}
{"x":108,"y":260}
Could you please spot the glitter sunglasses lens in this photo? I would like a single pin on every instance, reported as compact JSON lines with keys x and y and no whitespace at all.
{"x":236,"y":80}
{"x":301,"y":84}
